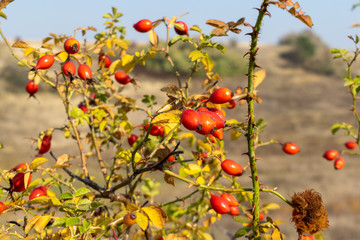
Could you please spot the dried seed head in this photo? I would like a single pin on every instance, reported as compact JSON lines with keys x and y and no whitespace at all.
{"x":309,"y":213}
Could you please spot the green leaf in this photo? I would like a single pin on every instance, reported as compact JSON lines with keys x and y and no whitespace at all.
{"x":3,"y":15}
{"x":66,"y":195}
{"x":334,"y":50}
{"x":174,"y":40}
{"x":335,"y":128}
{"x":242,"y":219}
{"x":81,"y":192}
{"x":59,"y":222}
{"x":195,"y":28}
{"x":72,"y":221}
{"x":107,"y":15}
{"x":242,"y":231}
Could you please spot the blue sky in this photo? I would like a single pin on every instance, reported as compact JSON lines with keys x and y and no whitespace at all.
{"x":34,"y":19}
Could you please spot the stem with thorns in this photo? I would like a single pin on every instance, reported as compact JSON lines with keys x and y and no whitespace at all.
{"x":251,"y":123}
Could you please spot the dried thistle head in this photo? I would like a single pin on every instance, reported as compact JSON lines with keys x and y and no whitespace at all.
{"x":309,"y":213}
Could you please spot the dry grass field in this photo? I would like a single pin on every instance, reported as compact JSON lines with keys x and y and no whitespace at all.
{"x":297,"y":105}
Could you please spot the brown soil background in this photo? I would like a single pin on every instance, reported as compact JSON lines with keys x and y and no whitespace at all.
{"x":298,"y":106}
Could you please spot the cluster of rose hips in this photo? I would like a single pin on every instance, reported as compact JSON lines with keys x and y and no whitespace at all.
{"x":335,"y":155}
{"x":18,"y":182}
{"x":208,"y":121}
{"x":225,"y":204}
{"x":146,"y":25}
{"x":72,"y":46}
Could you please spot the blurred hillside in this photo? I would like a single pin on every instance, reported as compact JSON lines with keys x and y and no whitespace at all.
{"x":302,"y":98}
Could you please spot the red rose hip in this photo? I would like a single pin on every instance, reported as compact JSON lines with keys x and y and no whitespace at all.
{"x":220,"y":96}
{"x":331,"y":154}
{"x":190,"y":119}
{"x":219,"y":204}
{"x":143,"y":25}
{"x":232,"y":168}
{"x":290,"y":148}
{"x":351,"y":145}
{"x":181,"y":28}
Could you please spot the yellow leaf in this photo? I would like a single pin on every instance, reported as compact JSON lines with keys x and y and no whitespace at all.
{"x":153,"y":37}
{"x":20,"y":44}
{"x":234,"y":135}
{"x":127,"y":59}
{"x":156,"y":215}
{"x":270,"y":206}
{"x":115,"y":65}
{"x":200,"y":180}
{"x":37,"y":162}
{"x":28,"y":51}
{"x":259,"y":76}
{"x":169,"y":120}
{"x":62,"y":56}
{"x":192,"y":169}
{"x":142,"y":221}
{"x":30,"y":224}
{"x":62,"y":161}
{"x":186,"y":135}
{"x":276,"y":235}
{"x":88,"y":60}
{"x":204,"y":236}
{"x":40,"y":200}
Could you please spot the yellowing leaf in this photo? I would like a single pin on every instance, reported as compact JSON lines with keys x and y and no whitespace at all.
{"x":204,"y":236}
{"x":156,"y":215}
{"x":20,"y":44}
{"x":115,"y":65}
{"x":192,"y":169}
{"x":62,"y":161}
{"x":259,"y":76}
{"x":234,"y":135}
{"x":62,"y":56}
{"x":276,"y":235}
{"x":30,"y":224}
{"x":37,"y":162}
{"x":169,"y":120}
{"x":186,"y":135}
{"x":200,"y":180}
{"x":88,"y":60}
{"x":127,"y":59}
{"x":270,"y":206}
{"x":175,"y":237}
{"x":195,"y":55}
{"x":28,"y":51}
{"x":153,"y":37}
{"x":142,"y":221}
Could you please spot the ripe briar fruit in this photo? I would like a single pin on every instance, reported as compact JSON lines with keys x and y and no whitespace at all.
{"x":83,"y":107}
{"x":104,"y":61}
{"x":310,"y":237}
{"x":218,"y":112}
{"x":84,"y":72}
{"x":18,"y":182}
{"x":31,"y":87}
{"x":143,"y":25}
{"x":219,"y":204}
{"x":220,"y":123}
{"x":132,"y":139}
{"x":351,"y":145}
{"x":218,"y":134}
{"x":2,"y":207}
{"x":220,"y":96}
{"x":339,"y":163}
{"x":331,"y":154}
{"x":232,"y":104}
{"x":181,"y":28}
{"x":155,"y":130}
{"x":38,"y":192}
{"x":230,"y":199}
{"x":190,"y":119}
{"x":71,"y":45}
{"x":171,"y":158}
{"x":122,"y":78}
{"x":45,"y":62}
{"x":234,"y":210}
{"x":69,"y":69}
{"x":129,"y":219}
{"x":22,"y":167}
{"x":290,"y":148}
{"x":208,"y":125}
{"x":232,"y":168}
{"x":45,"y":144}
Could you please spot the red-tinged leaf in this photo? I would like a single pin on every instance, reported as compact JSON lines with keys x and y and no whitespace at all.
{"x":4,"y":3}
{"x":217,"y":23}
{"x":306,"y":19}
{"x":289,"y":3}
{"x":296,"y":5}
